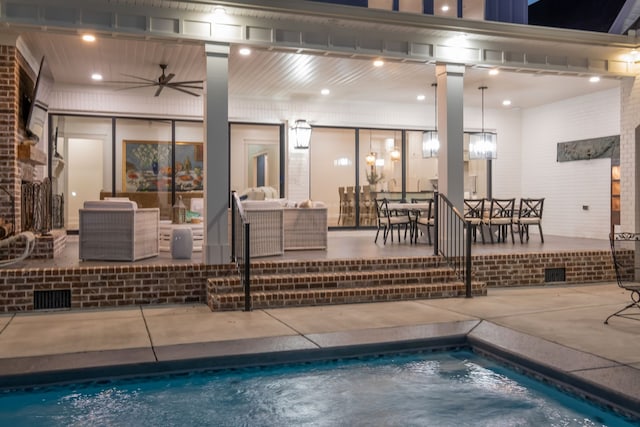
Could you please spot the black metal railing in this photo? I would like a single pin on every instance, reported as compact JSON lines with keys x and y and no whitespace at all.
{"x":452,"y":238}
{"x":240,"y":248}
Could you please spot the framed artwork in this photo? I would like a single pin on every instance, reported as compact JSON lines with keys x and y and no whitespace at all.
{"x":146,"y":166}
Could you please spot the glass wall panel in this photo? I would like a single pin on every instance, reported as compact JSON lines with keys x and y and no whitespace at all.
{"x":475,"y":175}
{"x":422,"y":173}
{"x":255,"y":157}
{"x":82,"y":168}
{"x":143,"y":167}
{"x":190,"y":185}
{"x":381,"y":162}
{"x":332,"y":168}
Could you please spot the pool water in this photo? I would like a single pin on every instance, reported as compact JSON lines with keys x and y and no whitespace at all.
{"x":423,"y":389}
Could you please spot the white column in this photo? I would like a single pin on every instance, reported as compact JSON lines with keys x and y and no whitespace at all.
{"x":216,"y":155}
{"x":450,"y":80}
{"x":630,"y":160}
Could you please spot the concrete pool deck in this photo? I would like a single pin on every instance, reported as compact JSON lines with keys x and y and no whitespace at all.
{"x":560,"y":328}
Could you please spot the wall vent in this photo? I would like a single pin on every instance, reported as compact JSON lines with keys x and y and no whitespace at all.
{"x":49,"y":300}
{"x":554,"y":275}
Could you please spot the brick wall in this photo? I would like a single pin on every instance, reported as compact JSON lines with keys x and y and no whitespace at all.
{"x":110,"y":286}
{"x":115,"y":286}
{"x":15,"y":78}
{"x":529,"y":269}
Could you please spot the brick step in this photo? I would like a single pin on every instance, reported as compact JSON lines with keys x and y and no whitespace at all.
{"x":339,"y":280}
{"x":313,"y":297}
{"x":340,"y":265}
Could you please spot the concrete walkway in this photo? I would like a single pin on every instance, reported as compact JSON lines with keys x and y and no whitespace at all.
{"x":556,"y":327}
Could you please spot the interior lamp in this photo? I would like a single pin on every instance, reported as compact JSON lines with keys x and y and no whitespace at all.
{"x":395,"y":154}
{"x":430,"y":141}
{"x":483,"y":145}
{"x":371,"y":158}
{"x":302,"y":131}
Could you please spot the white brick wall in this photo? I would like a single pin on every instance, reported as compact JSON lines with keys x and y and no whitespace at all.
{"x":568,"y":186}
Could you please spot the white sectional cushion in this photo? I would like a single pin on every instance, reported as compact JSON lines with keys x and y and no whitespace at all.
{"x":111,"y":204}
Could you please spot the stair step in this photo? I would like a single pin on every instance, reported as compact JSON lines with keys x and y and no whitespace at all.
{"x":340,"y":265}
{"x":312,"y":297}
{"x":333,"y":280}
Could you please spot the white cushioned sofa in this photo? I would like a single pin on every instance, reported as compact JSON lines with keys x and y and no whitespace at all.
{"x":116,"y":230}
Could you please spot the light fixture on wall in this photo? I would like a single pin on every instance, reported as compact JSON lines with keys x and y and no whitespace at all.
{"x":302,"y":130}
{"x":483,"y":145}
{"x":430,"y":141}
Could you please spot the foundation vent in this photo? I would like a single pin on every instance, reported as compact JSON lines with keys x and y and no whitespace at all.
{"x":50,"y":300}
{"x":554,"y":275}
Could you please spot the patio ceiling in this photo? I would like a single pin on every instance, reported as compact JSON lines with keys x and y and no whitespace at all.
{"x":285,"y":75}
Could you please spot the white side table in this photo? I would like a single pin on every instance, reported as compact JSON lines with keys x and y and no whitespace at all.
{"x":166,"y":229}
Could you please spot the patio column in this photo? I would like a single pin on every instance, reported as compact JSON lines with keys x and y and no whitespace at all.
{"x":450,"y":80}
{"x":216,"y":155}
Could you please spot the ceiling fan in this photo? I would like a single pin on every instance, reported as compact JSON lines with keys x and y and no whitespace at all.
{"x":163,"y":81}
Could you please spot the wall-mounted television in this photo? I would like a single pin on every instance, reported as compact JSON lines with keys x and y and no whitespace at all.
{"x":39,"y":102}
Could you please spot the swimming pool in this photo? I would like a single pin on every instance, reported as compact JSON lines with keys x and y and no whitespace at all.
{"x":436,"y":389}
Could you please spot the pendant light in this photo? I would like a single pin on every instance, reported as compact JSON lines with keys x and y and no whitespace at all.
{"x":430,"y":141}
{"x":483,"y":145}
{"x":371,"y":157}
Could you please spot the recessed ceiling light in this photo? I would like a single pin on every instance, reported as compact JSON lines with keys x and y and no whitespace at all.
{"x":325,"y":91}
{"x":506,"y":102}
{"x":378,"y":62}
{"x":494,"y":72}
{"x":88,"y":38}
{"x":244,"y":51}
{"x":96,"y":76}
{"x":594,"y":79}
{"x":420,"y":97}
{"x":445,"y":8}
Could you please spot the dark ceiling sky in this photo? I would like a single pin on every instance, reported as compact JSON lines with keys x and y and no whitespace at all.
{"x":590,"y":15}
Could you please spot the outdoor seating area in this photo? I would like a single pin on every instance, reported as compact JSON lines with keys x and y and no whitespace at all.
{"x":493,"y":219}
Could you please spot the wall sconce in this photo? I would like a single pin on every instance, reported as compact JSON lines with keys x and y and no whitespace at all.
{"x":302,"y":130}
{"x":395,"y":154}
{"x":483,"y":145}
{"x":430,"y":141}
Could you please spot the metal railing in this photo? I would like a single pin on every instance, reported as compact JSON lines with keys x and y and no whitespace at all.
{"x":240,"y":248}
{"x":452,"y":239}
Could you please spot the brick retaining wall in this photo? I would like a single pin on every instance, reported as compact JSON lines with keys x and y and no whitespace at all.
{"x":114,"y":286}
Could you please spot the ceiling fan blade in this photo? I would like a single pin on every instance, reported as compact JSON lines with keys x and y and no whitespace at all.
{"x":134,"y":87}
{"x":140,"y":78}
{"x":188,"y":82}
{"x":160,"y":87}
{"x":184,"y":86}
{"x":183,"y":90}
{"x":166,"y":79}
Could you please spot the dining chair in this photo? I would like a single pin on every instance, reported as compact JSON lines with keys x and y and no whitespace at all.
{"x":389,"y":219}
{"x":350,"y":206}
{"x":500,"y":218}
{"x":423,"y":217}
{"x":342,"y":205}
{"x":473,"y":214}
{"x":366,"y":204}
{"x":530,"y":213}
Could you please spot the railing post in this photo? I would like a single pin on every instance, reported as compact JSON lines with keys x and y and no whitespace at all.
{"x":436,"y":222}
{"x":247,"y":268}
{"x":467,"y":255}
{"x":234,"y":258}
